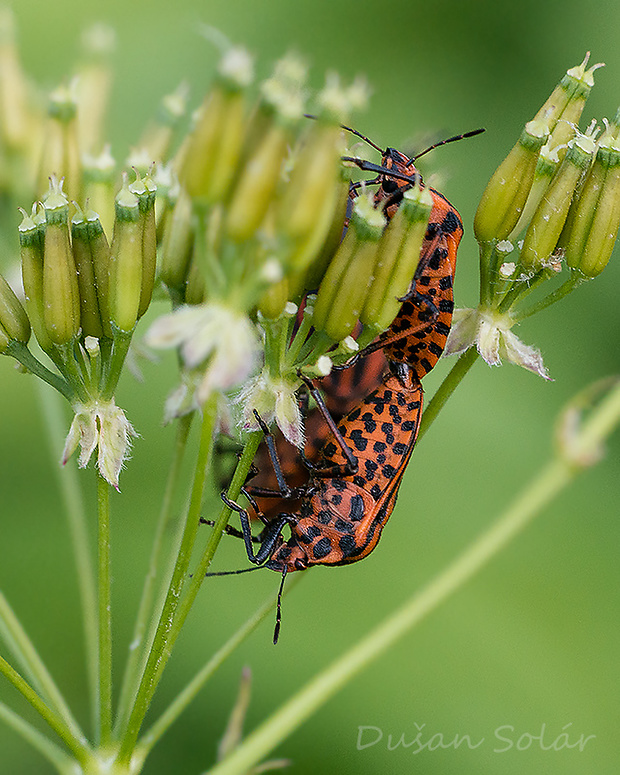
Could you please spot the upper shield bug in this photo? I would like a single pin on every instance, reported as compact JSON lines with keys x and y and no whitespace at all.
{"x":418,"y":334}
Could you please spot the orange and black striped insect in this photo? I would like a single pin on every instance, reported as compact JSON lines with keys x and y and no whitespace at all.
{"x":418,"y":334}
{"x":341,"y":391}
{"x":352,"y":489}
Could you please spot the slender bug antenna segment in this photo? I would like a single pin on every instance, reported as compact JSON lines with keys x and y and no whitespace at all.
{"x":463,"y":136}
{"x":276,"y":631}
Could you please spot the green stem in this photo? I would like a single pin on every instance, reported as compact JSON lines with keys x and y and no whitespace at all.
{"x":299,"y":339}
{"x":448,"y":386}
{"x":76,"y":518}
{"x":167,"y":630}
{"x":53,"y":753}
{"x":210,"y":267}
{"x":22,"y":354}
{"x":71,"y":369}
{"x":559,"y":293}
{"x":185,"y":697}
{"x":104,"y":608}
{"x":552,"y":479}
{"x":120,"y":346}
{"x":522,"y":288}
{"x":139,"y":648}
{"x":31,"y":663}
{"x":486,"y":272}
{"x":76,"y":743}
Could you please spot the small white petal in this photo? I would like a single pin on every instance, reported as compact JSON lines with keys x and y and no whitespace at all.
{"x":72,"y":440}
{"x":488,"y":341}
{"x":172,"y":329}
{"x":524,"y":355}
{"x":463,"y":331}
{"x":288,"y":416}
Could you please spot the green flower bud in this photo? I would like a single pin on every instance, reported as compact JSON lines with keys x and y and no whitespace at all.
{"x":125,"y":287}
{"x":31,"y":235}
{"x":61,"y":298}
{"x":100,"y":256}
{"x":506,"y":193}
{"x":310,"y":279}
{"x":196,"y":289}
{"x":592,"y":227}
{"x":274,"y":299}
{"x":145,"y":189}
{"x":90,"y":316}
{"x":99,"y":176}
{"x":342,"y":294}
{"x":177,"y":243}
{"x":158,"y":136}
{"x":254,"y":192}
{"x":61,"y":153}
{"x":547,"y":222}
{"x":398,"y":256}
{"x":210,"y":160}
{"x":13,"y":91}
{"x":569,"y":96}
{"x":546,"y":167}
{"x":94,"y":81}
{"x":13,"y":319}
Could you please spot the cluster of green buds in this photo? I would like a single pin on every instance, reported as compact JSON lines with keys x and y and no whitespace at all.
{"x":257,"y":226}
{"x":553,"y":202}
{"x":83,"y":298}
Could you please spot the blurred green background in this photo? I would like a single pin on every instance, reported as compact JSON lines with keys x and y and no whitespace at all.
{"x":535,"y":638}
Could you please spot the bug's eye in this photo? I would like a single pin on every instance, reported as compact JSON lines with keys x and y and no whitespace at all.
{"x":389,"y":185}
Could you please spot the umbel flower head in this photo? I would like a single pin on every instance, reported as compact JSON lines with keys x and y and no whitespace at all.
{"x":490,"y":332}
{"x":103,"y":426}
{"x":212,"y":335}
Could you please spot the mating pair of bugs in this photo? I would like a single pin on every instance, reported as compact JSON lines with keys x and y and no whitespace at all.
{"x":336,"y":515}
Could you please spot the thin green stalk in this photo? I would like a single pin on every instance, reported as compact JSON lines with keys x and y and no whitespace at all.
{"x":448,"y":386}
{"x":53,"y":753}
{"x":551,"y":480}
{"x":238,"y":480}
{"x":76,"y":744}
{"x":120,"y":347}
{"x":275,"y":345}
{"x":22,"y":354}
{"x":69,"y":485}
{"x":185,"y":697}
{"x":139,"y":647}
{"x":71,"y":369}
{"x":522,"y":288}
{"x":486,"y":251}
{"x":557,"y":295}
{"x":167,"y":632}
{"x":104,"y":609}
{"x":299,"y":339}
{"x":210,"y":266}
{"x":76,"y":518}
{"x":31,"y":663}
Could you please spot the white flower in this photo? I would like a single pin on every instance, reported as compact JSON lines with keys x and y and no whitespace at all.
{"x":273,"y":400}
{"x":490,"y":332}
{"x":222,"y":337}
{"x":101,"y":425}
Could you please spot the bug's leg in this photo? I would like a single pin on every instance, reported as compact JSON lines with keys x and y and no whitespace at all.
{"x":350,"y":467}
{"x":269,"y":537}
{"x":285,"y":490}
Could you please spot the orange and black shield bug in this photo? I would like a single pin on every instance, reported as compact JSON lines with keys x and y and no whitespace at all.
{"x":353,"y":487}
{"x":418,"y":334}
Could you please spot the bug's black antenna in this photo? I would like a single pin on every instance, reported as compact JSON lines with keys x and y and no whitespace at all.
{"x":276,"y":631}
{"x":356,"y":133}
{"x":234,"y":572}
{"x":463,"y":136}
